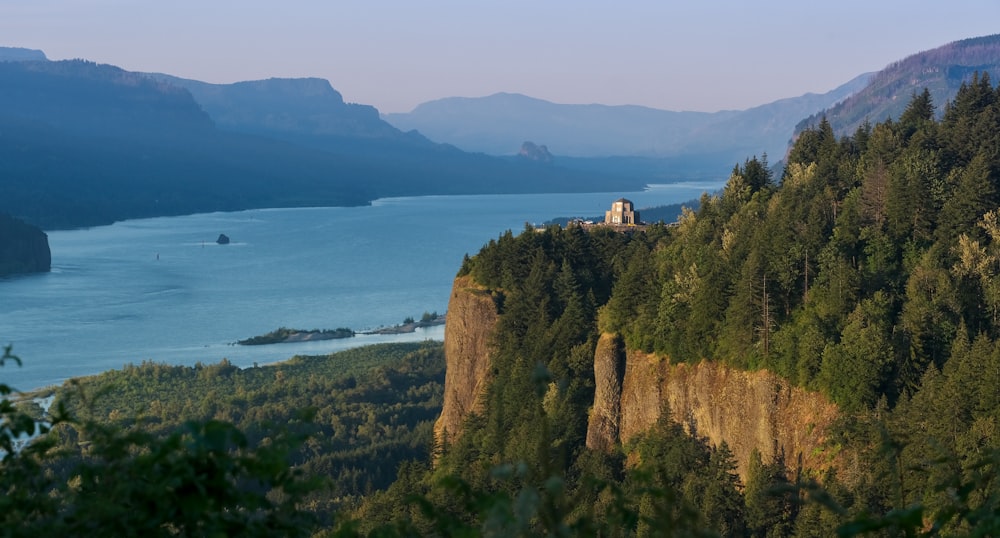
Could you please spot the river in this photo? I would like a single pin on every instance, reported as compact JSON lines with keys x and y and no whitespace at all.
{"x":162,"y":290}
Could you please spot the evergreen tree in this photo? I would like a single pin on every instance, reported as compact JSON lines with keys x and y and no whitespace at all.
{"x":755,"y":173}
{"x":917,"y":115}
{"x":769,"y":509}
{"x":855,"y":369}
{"x":720,"y":491}
{"x":973,"y":194}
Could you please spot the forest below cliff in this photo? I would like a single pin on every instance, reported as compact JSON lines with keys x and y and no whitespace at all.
{"x":269,"y":450}
{"x":867,"y":273}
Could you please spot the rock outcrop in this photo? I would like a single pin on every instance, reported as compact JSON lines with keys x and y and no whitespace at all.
{"x":468,"y":348}
{"x":747,"y":410}
{"x":23,"y":248}
{"x":605,"y":417}
{"x":535,"y":153}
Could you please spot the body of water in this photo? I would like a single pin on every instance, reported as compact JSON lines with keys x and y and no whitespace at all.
{"x":162,"y":290}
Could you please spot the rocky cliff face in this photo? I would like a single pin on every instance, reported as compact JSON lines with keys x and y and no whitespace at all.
{"x":468,"y":337}
{"x":302,"y":106}
{"x":747,"y":410}
{"x":23,"y":248}
{"x":605,"y":417}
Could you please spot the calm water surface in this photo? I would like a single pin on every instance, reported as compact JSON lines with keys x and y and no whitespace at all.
{"x":162,"y":290}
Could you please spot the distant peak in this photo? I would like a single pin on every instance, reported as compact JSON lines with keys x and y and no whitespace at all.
{"x":533,"y":152}
{"x":309,"y":86}
{"x":18,"y":54}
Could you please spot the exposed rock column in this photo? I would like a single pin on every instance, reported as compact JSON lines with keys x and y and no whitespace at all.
{"x":609,"y":369}
{"x":642,"y":397}
{"x":468,"y":349}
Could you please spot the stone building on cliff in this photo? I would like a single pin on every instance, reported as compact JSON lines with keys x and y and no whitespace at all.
{"x":622,"y":212}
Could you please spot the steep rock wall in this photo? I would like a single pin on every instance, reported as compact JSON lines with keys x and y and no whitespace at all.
{"x":468,"y":337}
{"x":605,"y":416}
{"x":747,"y":410}
{"x":23,"y":248}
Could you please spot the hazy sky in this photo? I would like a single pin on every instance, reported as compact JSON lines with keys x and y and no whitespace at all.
{"x":678,"y":55}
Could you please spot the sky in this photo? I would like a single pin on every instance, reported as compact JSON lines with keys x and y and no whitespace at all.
{"x":705,"y":55}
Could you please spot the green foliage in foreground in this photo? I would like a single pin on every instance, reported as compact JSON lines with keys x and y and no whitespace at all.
{"x":208,"y":478}
{"x":202,"y":479}
{"x":142,"y":451}
{"x":370,"y":409}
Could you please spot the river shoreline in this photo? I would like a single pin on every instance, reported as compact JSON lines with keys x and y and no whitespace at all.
{"x":285,"y":335}
{"x":410,"y":327}
{"x":109,"y":301}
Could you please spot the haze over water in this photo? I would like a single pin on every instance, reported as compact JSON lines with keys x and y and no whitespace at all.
{"x":162,"y":290}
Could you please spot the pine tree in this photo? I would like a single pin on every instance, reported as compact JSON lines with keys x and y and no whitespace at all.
{"x":917,"y":115}
{"x":972,"y":196}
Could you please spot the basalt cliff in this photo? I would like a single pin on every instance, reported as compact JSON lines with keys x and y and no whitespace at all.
{"x":746,"y":410}
{"x":23,"y":248}
{"x":472,"y":315}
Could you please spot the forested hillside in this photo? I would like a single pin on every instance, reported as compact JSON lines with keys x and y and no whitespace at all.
{"x":941,"y":71}
{"x":868,"y":273}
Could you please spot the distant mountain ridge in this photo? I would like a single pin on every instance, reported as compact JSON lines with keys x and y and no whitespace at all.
{"x":941,"y":71}
{"x":83,"y":144}
{"x":499,"y":123}
{"x":18,"y":54}
{"x":300,"y":105}
{"x":659,"y":143}
{"x":86,"y":98}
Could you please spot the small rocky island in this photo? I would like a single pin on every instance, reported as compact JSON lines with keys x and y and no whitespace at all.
{"x":285,"y":335}
{"x":23,"y":248}
{"x":410,"y":325}
{"x":223,"y":239}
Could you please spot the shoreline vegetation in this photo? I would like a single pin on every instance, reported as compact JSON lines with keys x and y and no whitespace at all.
{"x":285,"y":335}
